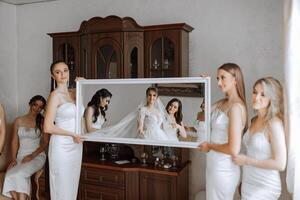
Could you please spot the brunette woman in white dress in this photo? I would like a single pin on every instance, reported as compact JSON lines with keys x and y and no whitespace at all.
{"x":28,"y":146}
{"x":2,"y":128}
{"x":265,"y":143}
{"x":228,"y":122}
{"x":65,"y":148}
{"x":95,"y":112}
{"x":174,"y":110}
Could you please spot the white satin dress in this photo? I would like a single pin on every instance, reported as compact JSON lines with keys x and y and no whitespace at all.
{"x":18,"y":178}
{"x":222,"y":175}
{"x":258,"y":183}
{"x":64,"y":156}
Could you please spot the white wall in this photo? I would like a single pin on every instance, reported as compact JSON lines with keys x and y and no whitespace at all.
{"x":241,"y":31}
{"x":8,"y":59}
{"x":247,"y":32}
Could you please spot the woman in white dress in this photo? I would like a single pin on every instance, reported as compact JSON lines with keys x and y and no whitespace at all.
{"x":65,"y":148}
{"x":265,"y":143}
{"x":198,"y":128}
{"x":174,"y":110}
{"x":28,"y":146}
{"x":2,"y":128}
{"x":95,"y":112}
{"x":151,"y":118}
{"x":228,"y":122}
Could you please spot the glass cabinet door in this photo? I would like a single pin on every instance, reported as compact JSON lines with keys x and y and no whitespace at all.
{"x":168,"y":58}
{"x":133,"y":66}
{"x":162,"y":58}
{"x":106,"y":62}
{"x":156,"y":58}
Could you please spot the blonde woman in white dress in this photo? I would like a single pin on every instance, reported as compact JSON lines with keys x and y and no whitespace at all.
{"x":28,"y":146}
{"x":228,"y":122}
{"x":2,"y":128}
{"x":65,"y":147}
{"x":265,"y":143}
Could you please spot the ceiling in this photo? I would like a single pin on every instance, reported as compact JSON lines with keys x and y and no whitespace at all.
{"x":22,"y":2}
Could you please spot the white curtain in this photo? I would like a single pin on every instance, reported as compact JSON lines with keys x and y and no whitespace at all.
{"x":292,"y":80}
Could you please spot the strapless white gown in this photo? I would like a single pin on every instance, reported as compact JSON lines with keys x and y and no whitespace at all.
{"x":258,"y":183}
{"x":64,"y":157}
{"x":222,"y":175}
{"x":98,"y":123}
{"x":18,"y":178}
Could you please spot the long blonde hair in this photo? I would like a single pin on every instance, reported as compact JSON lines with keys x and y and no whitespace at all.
{"x":274,"y":90}
{"x":236,"y":72}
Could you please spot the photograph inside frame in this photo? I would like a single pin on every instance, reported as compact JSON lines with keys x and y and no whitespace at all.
{"x":144,"y":112}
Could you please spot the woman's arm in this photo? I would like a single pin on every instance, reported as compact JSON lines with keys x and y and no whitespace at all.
{"x":181,"y":129}
{"x":278,"y":145}
{"x":43,"y":146}
{"x":141,"y":117}
{"x":89,"y":119}
{"x":235,"y":130}
{"x":14,"y":144}
{"x":2,"y":128}
{"x":49,"y":126}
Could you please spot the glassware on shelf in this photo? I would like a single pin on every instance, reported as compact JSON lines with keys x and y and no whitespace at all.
{"x":166,"y":64}
{"x":155,"y":64}
{"x":102,"y":153}
{"x":113,"y":150}
{"x":144,"y":157}
{"x":174,"y":159}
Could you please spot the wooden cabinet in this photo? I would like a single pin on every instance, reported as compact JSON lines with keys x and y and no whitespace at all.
{"x":115,"y":47}
{"x":166,"y":50}
{"x":109,"y":181}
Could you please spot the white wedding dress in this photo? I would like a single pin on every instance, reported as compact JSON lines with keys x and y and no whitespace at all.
{"x":18,"y":178}
{"x":64,"y":156}
{"x":222,"y":175}
{"x":258,"y":183}
{"x":152,"y":124}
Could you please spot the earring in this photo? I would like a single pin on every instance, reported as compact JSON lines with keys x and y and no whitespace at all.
{"x":54,"y":85}
{"x":68,"y":84}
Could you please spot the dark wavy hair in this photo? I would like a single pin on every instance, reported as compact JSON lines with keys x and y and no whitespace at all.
{"x":39,"y":118}
{"x":95,"y":103}
{"x":178,"y":115}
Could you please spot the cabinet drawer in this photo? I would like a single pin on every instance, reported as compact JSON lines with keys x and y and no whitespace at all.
{"x":91,"y":192}
{"x":102,"y":177}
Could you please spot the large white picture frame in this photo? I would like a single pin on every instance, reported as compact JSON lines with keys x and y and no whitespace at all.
{"x":126,"y":95}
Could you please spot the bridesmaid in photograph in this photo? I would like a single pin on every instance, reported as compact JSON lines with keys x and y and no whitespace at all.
{"x":174,"y":110}
{"x":265,"y":143}
{"x":95,"y":112}
{"x":65,"y":148}
{"x":228,"y":122}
